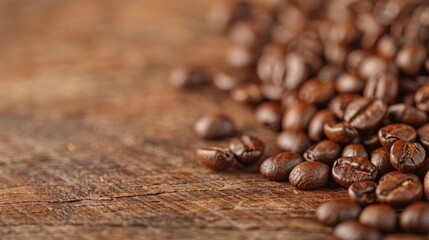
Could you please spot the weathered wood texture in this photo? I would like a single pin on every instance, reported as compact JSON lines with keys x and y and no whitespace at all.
{"x":95,"y":144}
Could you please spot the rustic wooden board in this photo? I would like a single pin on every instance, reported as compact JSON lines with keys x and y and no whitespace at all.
{"x":95,"y":144}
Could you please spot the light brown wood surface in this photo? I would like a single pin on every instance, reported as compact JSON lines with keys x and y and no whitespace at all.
{"x":95,"y":144}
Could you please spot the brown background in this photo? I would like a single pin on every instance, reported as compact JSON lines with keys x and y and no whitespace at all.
{"x":94,"y":143}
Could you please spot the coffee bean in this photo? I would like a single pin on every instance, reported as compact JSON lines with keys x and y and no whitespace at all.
{"x":423,"y":133}
{"x":216,"y":158}
{"x":340,"y":132}
{"x":269,"y":114}
{"x":289,"y":98}
{"x":315,"y":127}
{"x":379,"y":216}
{"x":271,"y":91}
{"x":317,"y":91}
{"x":336,"y":211}
{"x":415,"y":218}
{"x":329,"y":73}
{"x":372,"y":66}
{"x":250,"y":32}
{"x":225,"y":14}
{"x":247,"y":149}
{"x":293,"y":141}
{"x":309,"y":175}
{"x":370,"y":140}
{"x":353,"y":230}
{"x":391,"y":133}
{"x":380,"y":157}
{"x":365,"y":113}
{"x":335,"y":54}
{"x":422,"y":98}
{"x":411,"y":57}
{"x":242,"y":56}
{"x":387,"y":47}
{"x":383,"y":86}
{"x":355,"y":150}
{"x":363,"y":192}
{"x":230,"y":79}
{"x":426,"y":184}
{"x":407,"y":114}
{"x":339,"y":104}
{"x":347,"y":170}
{"x":399,"y":189}
{"x":326,"y":151}
{"x":187,"y":77}
{"x":402,"y":236}
{"x":214,"y":126}
{"x":355,"y":59}
{"x":249,"y":93}
{"x":279,"y":166}
{"x":292,"y":72}
{"x":349,"y":83}
{"x":406,"y":156}
{"x":298,"y":115}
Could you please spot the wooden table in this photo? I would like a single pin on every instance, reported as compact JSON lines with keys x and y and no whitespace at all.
{"x":95,"y":144}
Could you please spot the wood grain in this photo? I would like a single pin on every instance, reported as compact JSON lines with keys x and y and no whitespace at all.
{"x":96,"y":145}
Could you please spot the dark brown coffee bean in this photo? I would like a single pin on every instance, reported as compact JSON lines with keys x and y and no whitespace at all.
{"x":423,"y":133}
{"x":407,"y":114}
{"x":403,"y":236}
{"x":349,"y":83}
{"x":355,"y":59}
{"x":347,"y":170}
{"x":298,"y":115}
{"x":326,"y":151}
{"x":370,"y":140}
{"x":214,"y":126}
{"x":379,"y":216}
{"x":317,"y":91}
{"x":339,"y":104}
{"x":353,"y":230}
{"x":372,"y":66}
{"x":279,"y":166}
{"x":336,"y":211}
{"x":355,"y":150}
{"x":329,"y":73}
{"x":387,"y":47}
{"x":391,"y":133}
{"x":411,"y":57}
{"x":249,"y":93}
{"x":315,"y":127}
{"x":216,"y":158}
{"x":340,"y":132}
{"x":399,"y":189}
{"x":271,"y":91}
{"x":422,"y":98}
{"x":225,"y":14}
{"x":309,"y":175}
{"x":383,"y":86}
{"x":406,"y":156}
{"x":415,"y":218}
{"x":292,"y":73}
{"x":293,"y":141}
{"x":426,"y":184}
{"x":187,"y":77}
{"x":269,"y":114}
{"x":365,"y":113}
{"x":380,"y":157}
{"x":247,"y":149}
{"x":289,"y":98}
{"x":230,"y":79}
{"x":271,"y":59}
{"x":363,"y":192}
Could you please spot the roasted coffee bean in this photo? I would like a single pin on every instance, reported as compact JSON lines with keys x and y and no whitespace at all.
{"x":317,"y":91}
{"x":293,"y":141}
{"x":329,"y":73}
{"x":216,"y":158}
{"x":383,"y":86}
{"x":370,"y":140}
{"x":187,"y":77}
{"x":214,"y":126}
{"x":225,"y":14}
{"x":399,"y":189}
{"x":271,"y":91}
{"x":426,"y":184}
{"x":380,"y":157}
{"x":363,"y":192}
{"x":372,"y":66}
{"x":365,"y":113}
{"x":423,"y":133}
{"x":230,"y":79}
{"x":391,"y":133}
{"x":242,"y":56}
{"x":353,"y":230}
{"x":326,"y":151}
{"x":269,"y":114}
{"x":339,"y":104}
{"x":297,"y":116}
{"x":347,"y":170}
{"x":403,"y":236}
{"x":349,"y":83}
{"x":309,"y":175}
{"x":407,"y":114}
{"x":411,"y":57}
{"x":379,"y":216}
{"x":315,"y":127}
{"x":289,"y":98}
{"x":279,"y":166}
{"x":335,"y":54}
{"x":340,"y":132}
{"x":422,"y":98}
{"x":406,"y":156}
{"x":247,"y":149}
{"x":272,"y":58}
{"x":415,"y":218}
{"x":249,"y":93}
{"x":250,"y":32}
{"x":386,"y":47}
{"x":335,"y":211}
{"x":355,"y":150}
{"x":292,"y":72}
{"x":355,"y":59}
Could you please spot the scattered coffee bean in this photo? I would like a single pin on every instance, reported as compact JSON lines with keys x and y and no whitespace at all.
{"x":411,"y":57}
{"x":363,"y":192}
{"x":391,"y":133}
{"x":315,"y":127}
{"x":317,"y":91}
{"x":326,"y":151}
{"x":416,"y":218}
{"x":216,"y":158}
{"x":247,"y":149}
{"x":230,"y":79}
{"x":347,"y":170}
{"x":186,"y":77}
{"x":279,"y":166}
{"x":355,"y":150}
{"x":423,"y":133}
{"x":379,"y":216}
{"x":353,"y":230}
{"x":309,"y":175}
{"x":380,"y":157}
{"x":422,"y":98}
{"x":335,"y":211}
{"x":339,"y":104}
{"x":407,"y":114}
{"x":270,"y":114}
{"x":384,"y":87}
{"x":214,"y":126}
{"x":249,"y":93}
{"x":349,"y":83}
{"x":297,"y":116}
{"x":293,"y":141}
{"x":406,"y":156}
{"x":340,"y":132}
{"x":365,"y":113}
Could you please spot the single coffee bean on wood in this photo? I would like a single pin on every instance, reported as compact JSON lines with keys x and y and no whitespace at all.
{"x":379,"y":216}
{"x":353,"y":230}
{"x":309,"y":175}
{"x":335,"y":211}
{"x":365,"y":113}
{"x":399,"y":189}
{"x":247,"y":149}
{"x":279,"y":166}
{"x":355,"y":150}
{"x":293,"y":141}
{"x":363,"y":192}
{"x":340,"y":132}
{"x":406,"y":156}
{"x":216,"y":158}
{"x":347,"y":170}
{"x":422,"y":98}
{"x":269,"y":114}
{"x":230,"y":79}
{"x":380,"y":157}
{"x":315,"y":127}
{"x":423,"y":133}
{"x":415,"y":218}
{"x":326,"y":151}
{"x":214,"y":126}
{"x":391,"y":133}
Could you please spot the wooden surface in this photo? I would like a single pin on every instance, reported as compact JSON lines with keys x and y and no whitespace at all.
{"x":95,"y":144}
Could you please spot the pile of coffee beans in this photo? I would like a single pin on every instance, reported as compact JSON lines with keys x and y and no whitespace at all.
{"x":345,"y":84}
